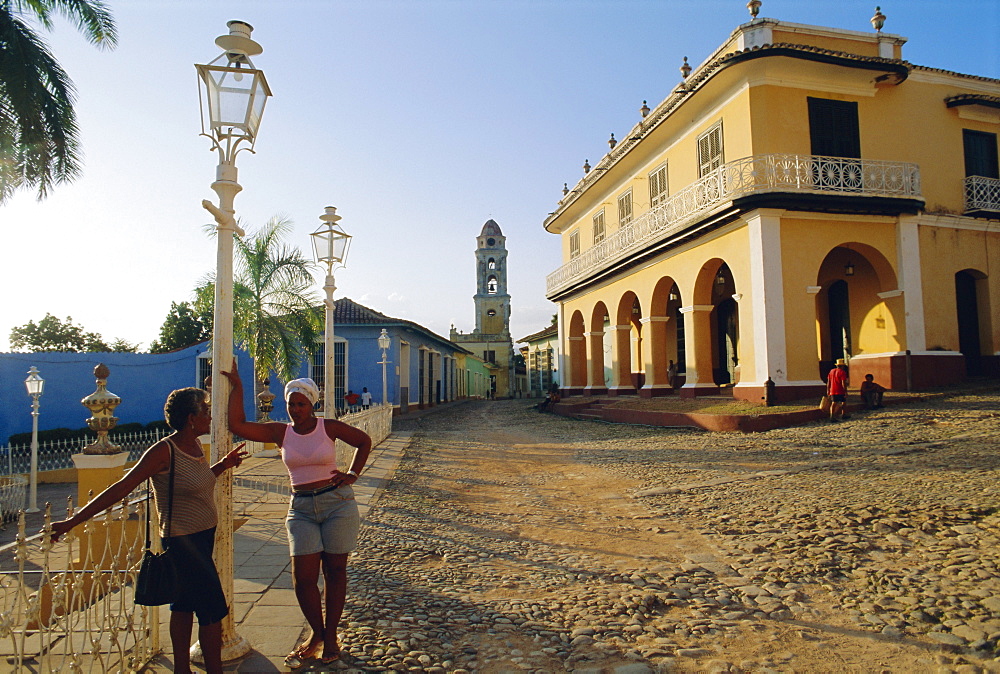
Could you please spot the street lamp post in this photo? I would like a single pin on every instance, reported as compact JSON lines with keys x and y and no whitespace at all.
{"x":330,"y":245}
{"x":35,"y":385}
{"x":232,"y":98}
{"x":383,"y":343}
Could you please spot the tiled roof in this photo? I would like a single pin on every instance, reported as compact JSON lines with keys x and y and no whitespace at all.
{"x":545,"y":333}
{"x":348,"y":312}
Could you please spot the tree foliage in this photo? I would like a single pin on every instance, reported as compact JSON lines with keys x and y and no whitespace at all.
{"x":277,"y":316}
{"x":52,"y":334}
{"x":39,"y":143}
{"x":182,"y":327}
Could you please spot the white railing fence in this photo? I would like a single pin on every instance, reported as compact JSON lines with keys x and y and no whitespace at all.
{"x":376,"y":421}
{"x":58,"y":454}
{"x":982,"y":194}
{"x":751,"y":175}
{"x":67,"y":606}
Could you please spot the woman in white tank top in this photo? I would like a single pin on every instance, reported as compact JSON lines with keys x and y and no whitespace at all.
{"x":323,"y":519}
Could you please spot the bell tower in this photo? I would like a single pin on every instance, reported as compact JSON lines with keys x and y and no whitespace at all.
{"x":491,"y":339}
{"x":492,"y":300}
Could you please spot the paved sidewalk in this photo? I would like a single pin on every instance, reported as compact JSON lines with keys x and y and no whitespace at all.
{"x":266,"y":612}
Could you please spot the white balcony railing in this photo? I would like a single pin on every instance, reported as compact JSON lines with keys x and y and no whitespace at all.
{"x":982,"y":194}
{"x":806,"y":174}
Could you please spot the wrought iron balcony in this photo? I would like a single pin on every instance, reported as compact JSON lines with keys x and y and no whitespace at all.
{"x":784,"y":173}
{"x":982,"y":194}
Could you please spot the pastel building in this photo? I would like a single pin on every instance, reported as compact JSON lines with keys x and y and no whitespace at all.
{"x":804,"y":194}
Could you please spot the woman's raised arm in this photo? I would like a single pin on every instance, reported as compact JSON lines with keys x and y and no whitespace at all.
{"x":238,"y":424}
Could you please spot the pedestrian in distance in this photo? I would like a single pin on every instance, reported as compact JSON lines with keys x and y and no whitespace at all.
{"x":836,"y":387}
{"x":192,"y":521}
{"x":871,"y":393}
{"x":366,"y":398}
{"x":352,"y":399}
{"x":323,"y":518}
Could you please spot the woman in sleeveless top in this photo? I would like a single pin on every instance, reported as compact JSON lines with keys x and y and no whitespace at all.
{"x":192,"y":521}
{"x":323,"y":518}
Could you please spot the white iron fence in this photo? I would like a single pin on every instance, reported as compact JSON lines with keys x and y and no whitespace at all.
{"x":751,"y":175}
{"x":376,"y":421}
{"x":982,"y":194}
{"x":67,"y":606}
{"x":58,"y":454}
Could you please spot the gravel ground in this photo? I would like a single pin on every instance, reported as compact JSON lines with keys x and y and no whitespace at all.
{"x":516,"y":541}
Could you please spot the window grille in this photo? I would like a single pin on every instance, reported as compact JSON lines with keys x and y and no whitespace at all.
{"x":833,"y":128}
{"x":317,"y":371}
{"x":710,"y":150}
{"x":599,"y":228}
{"x":658,"y":186}
{"x":625,"y":209}
{"x":204,"y":370}
{"x":574,"y":244}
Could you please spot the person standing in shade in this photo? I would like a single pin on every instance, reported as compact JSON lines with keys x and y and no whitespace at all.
{"x":323,"y":518}
{"x":836,"y":387}
{"x":366,"y":398}
{"x":192,"y":521}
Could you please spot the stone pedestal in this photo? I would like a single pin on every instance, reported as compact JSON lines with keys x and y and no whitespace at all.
{"x":97,"y":472}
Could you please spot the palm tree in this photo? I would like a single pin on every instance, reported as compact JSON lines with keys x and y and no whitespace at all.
{"x":277,"y":314}
{"x":39,"y":146}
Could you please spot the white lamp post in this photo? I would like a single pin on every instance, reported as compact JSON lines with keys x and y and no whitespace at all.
{"x":383,"y":343}
{"x":35,"y":385}
{"x":330,"y":245}
{"x":232,"y":98}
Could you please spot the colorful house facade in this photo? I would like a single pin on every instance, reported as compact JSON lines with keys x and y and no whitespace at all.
{"x":541,"y":360}
{"x":804,"y":194}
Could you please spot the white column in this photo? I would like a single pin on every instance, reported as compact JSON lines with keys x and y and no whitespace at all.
{"x":767,"y":315}
{"x":910,"y":282}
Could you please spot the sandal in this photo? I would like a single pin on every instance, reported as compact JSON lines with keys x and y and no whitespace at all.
{"x":302,"y":654}
{"x":327,"y":659}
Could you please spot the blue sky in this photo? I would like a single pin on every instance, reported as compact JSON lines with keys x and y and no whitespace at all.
{"x":419,"y":120}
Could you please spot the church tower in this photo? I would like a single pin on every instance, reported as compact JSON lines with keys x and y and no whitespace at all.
{"x":492,"y":300}
{"x":491,"y":339}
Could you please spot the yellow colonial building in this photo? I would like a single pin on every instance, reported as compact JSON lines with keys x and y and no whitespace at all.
{"x":804,"y":194}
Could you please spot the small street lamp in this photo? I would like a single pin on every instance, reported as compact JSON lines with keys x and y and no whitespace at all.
{"x":232,"y":95}
{"x":383,"y":343}
{"x":330,"y":246}
{"x":35,"y":385}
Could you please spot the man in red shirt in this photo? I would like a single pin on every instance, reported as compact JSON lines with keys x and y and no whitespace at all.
{"x":836,"y":388}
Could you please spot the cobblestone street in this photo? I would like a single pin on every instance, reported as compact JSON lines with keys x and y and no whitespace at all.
{"x":516,"y":541}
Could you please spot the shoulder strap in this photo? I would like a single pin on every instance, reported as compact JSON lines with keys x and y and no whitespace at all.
{"x":170,"y":494}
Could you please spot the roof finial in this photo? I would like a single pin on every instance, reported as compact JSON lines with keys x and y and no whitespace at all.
{"x":878,"y":20}
{"x":685,"y":68}
{"x":612,"y":142}
{"x":754,"y":7}
{"x":644,"y":110}
{"x":586,"y":166}
{"x":565,"y":189}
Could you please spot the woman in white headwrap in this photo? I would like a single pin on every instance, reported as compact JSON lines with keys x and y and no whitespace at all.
{"x":323,"y":517}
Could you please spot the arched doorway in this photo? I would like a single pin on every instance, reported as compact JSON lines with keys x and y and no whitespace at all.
{"x":839,"y":307}
{"x":725,"y":328}
{"x":727,"y":320}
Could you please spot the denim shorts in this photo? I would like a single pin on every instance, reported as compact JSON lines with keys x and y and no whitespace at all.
{"x":200,"y":592}
{"x":327,"y":522}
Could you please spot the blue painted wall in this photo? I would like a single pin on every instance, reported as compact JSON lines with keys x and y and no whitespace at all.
{"x":141,"y":380}
{"x":144,"y":380}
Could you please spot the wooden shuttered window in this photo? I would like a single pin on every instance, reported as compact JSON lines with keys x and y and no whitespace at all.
{"x":980,"y":153}
{"x":710,"y":150}
{"x":833,"y":128}
{"x":625,"y":209}
{"x":658,"y":186}
{"x":599,"y":228}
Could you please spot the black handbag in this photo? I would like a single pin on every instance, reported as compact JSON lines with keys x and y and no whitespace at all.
{"x":157,"y":580}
